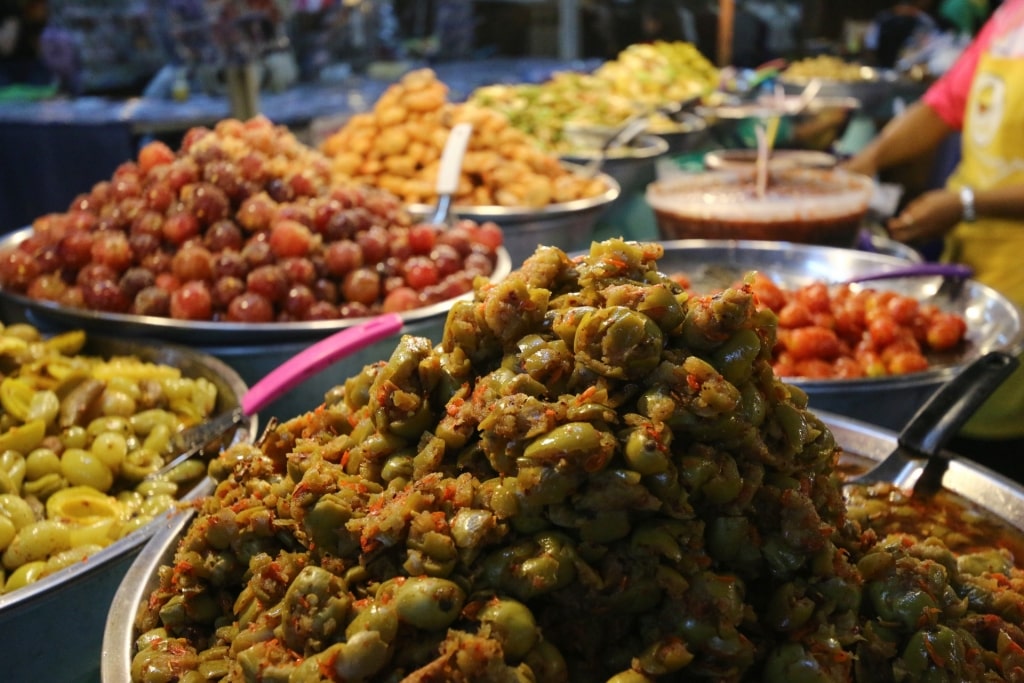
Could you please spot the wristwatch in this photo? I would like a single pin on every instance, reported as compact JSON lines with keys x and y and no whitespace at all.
{"x":968,"y":212}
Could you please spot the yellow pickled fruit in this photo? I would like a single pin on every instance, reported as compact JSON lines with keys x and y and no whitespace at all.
{"x":67,"y":343}
{"x":16,"y":397}
{"x":83,"y":505}
{"x":23,"y":438}
{"x":12,"y":346}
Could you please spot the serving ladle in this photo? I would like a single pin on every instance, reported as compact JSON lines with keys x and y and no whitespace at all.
{"x":919,"y":462}
{"x":303,"y":365}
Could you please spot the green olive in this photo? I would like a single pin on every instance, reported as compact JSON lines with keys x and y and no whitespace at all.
{"x":513,"y":624}
{"x":619,"y":343}
{"x":429,"y":603}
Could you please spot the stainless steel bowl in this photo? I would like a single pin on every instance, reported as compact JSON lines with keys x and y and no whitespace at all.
{"x":818,"y":127}
{"x":53,"y":629}
{"x":567,"y":225}
{"x":993,"y":322}
{"x":993,"y":493}
{"x":683,"y":135}
{"x":878,"y":91}
{"x":251,"y":349}
{"x":808,"y":205}
{"x":632,"y":166}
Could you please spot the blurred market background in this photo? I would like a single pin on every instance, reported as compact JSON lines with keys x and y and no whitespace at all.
{"x":84,"y":83}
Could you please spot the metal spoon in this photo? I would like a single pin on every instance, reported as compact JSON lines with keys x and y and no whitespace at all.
{"x":919,"y":462}
{"x":448,"y":173}
{"x":281,"y":379}
{"x":949,"y":270}
{"x":625,"y":134}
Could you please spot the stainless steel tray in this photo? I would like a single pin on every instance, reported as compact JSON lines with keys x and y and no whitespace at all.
{"x":199,"y":332}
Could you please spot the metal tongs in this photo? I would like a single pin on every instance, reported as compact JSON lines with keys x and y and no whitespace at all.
{"x":301,"y":366}
{"x":919,"y":461}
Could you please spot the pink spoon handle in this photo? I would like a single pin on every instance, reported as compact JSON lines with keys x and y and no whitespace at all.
{"x":317,"y":357}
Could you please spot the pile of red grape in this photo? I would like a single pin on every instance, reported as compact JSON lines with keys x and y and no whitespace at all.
{"x":243,"y":224}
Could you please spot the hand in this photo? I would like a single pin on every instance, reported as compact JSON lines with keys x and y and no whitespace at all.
{"x":862,"y":163}
{"x":930,"y":216}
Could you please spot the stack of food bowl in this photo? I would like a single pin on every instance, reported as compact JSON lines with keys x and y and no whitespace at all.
{"x":87,"y":421}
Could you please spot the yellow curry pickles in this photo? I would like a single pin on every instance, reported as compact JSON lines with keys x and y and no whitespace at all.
{"x":594,"y":477}
{"x":78,"y":436}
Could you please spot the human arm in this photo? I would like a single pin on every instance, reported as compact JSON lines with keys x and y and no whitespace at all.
{"x":934,"y":213}
{"x":918,"y":130}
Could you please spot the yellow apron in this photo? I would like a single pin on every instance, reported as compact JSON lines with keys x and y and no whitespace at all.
{"x":993,"y":156}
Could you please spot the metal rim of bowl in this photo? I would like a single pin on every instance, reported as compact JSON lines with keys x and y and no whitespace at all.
{"x":519,"y":213}
{"x":26,"y":597}
{"x":996,"y":494}
{"x":645,"y":147}
{"x":854,"y":184}
{"x":210,"y":332}
{"x":748,"y":110}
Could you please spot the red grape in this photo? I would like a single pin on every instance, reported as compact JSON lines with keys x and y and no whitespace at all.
{"x":104,"y":295}
{"x":112,"y":249}
{"x":269,"y":281}
{"x":179,"y":227}
{"x":401,"y":299}
{"x":225,"y":289}
{"x":191,"y":301}
{"x":192,"y":262}
{"x":154,"y":154}
{"x":362,"y":285}
{"x":17,"y":269}
{"x":223,"y":234}
{"x":230,"y":264}
{"x":134,"y":280}
{"x":290,"y":238}
{"x":342,"y":257}
{"x":299,"y":271}
{"x":298,"y":301}
{"x":421,"y":272}
{"x":322,"y":310}
{"x":250,"y":307}
{"x":422,"y":238}
{"x":373,"y":243}
{"x":489,"y":234}
{"x":154,"y":301}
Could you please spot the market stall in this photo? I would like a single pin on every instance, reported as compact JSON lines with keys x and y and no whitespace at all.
{"x":630,"y":373}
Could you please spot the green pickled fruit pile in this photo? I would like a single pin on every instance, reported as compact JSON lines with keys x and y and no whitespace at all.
{"x":594,"y":477}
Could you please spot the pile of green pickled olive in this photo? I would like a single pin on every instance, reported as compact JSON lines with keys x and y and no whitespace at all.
{"x":595,"y":476}
{"x":79,"y":438}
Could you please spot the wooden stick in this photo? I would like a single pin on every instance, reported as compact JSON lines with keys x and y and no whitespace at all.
{"x":726,"y":21}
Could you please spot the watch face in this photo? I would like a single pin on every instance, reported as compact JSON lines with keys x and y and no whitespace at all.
{"x":967,"y":202}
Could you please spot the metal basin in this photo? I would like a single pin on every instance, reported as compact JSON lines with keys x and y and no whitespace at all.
{"x":251,"y":349}
{"x":878,"y":90}
{"x":808,"y":205}
{"x":993,"y":322}
{"x":999,"y":497}
{"x":632,"y":167}
{"x":53,"y":628}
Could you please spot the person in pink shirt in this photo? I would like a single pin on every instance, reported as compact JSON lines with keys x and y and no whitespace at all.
{"x":979,"y":214}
